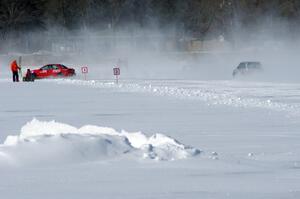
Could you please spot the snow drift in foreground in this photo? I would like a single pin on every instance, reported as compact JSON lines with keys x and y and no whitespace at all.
{"x":57,"y":142}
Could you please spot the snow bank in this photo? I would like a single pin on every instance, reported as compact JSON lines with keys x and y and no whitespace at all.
{"x":270,"y":96}
{"x":57,"y":143}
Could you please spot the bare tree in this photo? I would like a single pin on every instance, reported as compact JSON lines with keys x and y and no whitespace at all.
{"x":202,"y":15}
{"x":17,"y":16}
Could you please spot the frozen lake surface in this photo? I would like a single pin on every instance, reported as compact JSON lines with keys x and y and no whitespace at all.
{"x":248,"y":135}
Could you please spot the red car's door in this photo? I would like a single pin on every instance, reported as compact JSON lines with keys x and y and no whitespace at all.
{"x":55,"y":70}
{"x":44,"y":71}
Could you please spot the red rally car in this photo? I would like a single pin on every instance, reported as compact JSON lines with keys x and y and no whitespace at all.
{"x":53,"y":70}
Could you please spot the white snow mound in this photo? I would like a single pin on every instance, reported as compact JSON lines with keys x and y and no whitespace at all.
{"x":41,"y":141}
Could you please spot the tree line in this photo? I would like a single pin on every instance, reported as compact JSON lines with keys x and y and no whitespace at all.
{"x":197,"y":18}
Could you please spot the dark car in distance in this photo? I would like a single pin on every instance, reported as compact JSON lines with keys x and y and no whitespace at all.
{"x":247,"y":68}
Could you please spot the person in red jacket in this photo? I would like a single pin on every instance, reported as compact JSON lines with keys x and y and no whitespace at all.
{"x":15,"y":70}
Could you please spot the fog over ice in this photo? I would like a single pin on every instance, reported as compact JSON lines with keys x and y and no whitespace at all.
{"x":156,"y":50}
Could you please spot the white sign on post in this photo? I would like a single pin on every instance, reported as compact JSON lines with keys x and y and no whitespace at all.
{"x":84,"y":71}
{"x":117,"y":72}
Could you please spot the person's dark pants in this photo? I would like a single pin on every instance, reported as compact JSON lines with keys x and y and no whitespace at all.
{"x":15,"y":76}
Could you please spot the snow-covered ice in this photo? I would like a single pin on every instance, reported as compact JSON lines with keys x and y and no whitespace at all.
{"x":278,"y":97}
{"x":248,"y":134}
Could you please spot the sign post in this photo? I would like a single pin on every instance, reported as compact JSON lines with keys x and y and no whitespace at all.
{"x":117,"y":72}
{"x":20,"y":70}
{"x":84,"y":71}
